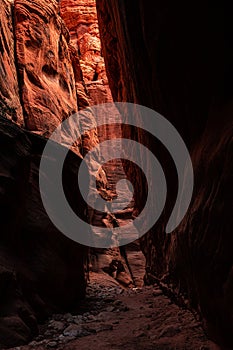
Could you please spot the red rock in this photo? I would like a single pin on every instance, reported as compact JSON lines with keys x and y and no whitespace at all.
{"x":46,"y":76}
{"x":179,"y":65}
{"x":80,"y":18}
{"x":9,"y":92}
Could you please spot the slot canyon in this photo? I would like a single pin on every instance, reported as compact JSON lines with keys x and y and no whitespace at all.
{"x":61,"y":58}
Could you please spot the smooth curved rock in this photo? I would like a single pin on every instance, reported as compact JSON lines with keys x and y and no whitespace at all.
{"x":173,"y":58}
{"x":41,"y":271}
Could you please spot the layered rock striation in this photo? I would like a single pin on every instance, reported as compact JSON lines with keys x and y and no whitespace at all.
{"x":41,"y":271}
{"x":44,"y":65}
{"x":9,"y":89}
{"x":81,"y":20}
{"x":51,"y":67}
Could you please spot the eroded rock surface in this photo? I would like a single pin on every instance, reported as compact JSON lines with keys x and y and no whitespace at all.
{"x":80,"y":18}
{"x":41,"y":270}
{"x":45,"y":70}
{"x":9,"y":90}
{"x":47,"y":74}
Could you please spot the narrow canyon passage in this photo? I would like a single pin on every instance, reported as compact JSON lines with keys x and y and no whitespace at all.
{"x":162,"y":291}
{"x":81,"y":20}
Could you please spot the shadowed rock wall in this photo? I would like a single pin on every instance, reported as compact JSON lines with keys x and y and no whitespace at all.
{"x":177,"y":59}
{"x":41,"y":271}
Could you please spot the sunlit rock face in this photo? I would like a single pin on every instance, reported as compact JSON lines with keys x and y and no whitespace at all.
{"x":181,"y":66}
{"x":44,"y":64}
{"x":9,"y":91}
{"x":80,"y":18}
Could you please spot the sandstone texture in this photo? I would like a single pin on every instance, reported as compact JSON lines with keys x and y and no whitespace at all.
{"x":180,"y":66}
{"x":46,"y":76}
{"x":9,"y":90}
{"x":52,"y":66}
{"x":40,"y":269}
{"x":81,"y":20}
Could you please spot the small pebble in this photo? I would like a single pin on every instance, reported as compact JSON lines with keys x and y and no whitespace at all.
{"x":52,"y":344}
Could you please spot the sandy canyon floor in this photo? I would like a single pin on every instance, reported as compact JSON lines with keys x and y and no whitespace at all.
{"x":116,"y":318}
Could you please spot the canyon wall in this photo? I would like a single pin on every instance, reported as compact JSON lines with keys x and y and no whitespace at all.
{"x":41,"y":271}
{"x":51,"y":66}
{"x":80,"y":18}
{"x":45,"y":71}
{"x":9,"y":91}
{"x":176,"y":58}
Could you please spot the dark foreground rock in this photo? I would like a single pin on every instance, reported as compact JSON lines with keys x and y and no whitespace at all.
{"x":176,"y":59}
{"x":41,"y":271}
